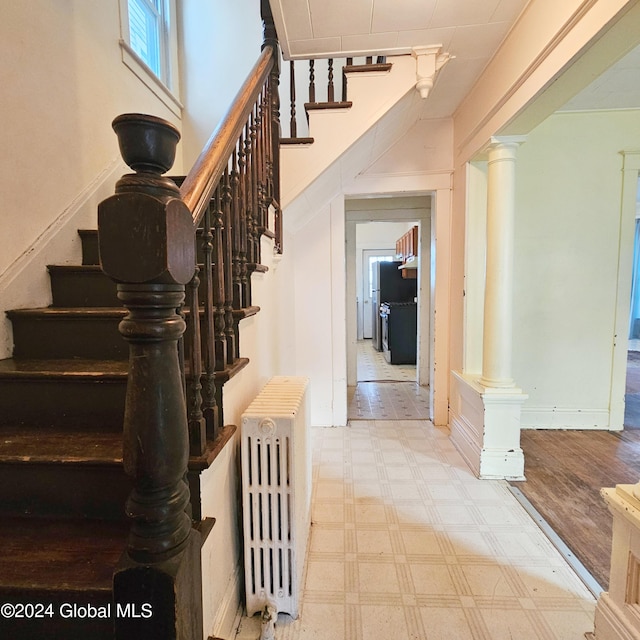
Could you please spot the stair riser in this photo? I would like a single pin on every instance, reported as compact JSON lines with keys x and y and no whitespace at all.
{"x":83,"y":289}
{"x":87,"y":405}
{"x":44,"y":337}
{"x":90,"y":251}
{"x":63,"y":489}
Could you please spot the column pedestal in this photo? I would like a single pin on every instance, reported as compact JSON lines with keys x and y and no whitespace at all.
{"x":485,"y":427}
{"x":618,"y":610}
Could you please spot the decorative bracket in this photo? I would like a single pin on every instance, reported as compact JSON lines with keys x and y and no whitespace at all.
{"x":429,"y":60}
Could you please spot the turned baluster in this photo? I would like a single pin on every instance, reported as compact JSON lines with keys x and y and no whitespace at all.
{"x":209,"y":402}
{"x":269,"y":141}
{"x":253,"y":212}
{"x":271,"y":38}
{"x":330,"y":97}
{"x":227,"y":242}
{"x":312,"y":81}
{"x":146,"y":213}
{"x":218,"y":282}
{"x":275,"y":156}
{"x":259,"y":170}
{"x":197,"y":424}
{"x":243,"y":161}
{"x":264,"y":164}
{"x":236,"y":209}
{"x":344,"y":85}
{"x":293,"y":125}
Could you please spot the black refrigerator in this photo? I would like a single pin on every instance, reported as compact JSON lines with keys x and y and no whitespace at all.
{"x":388,"y":286}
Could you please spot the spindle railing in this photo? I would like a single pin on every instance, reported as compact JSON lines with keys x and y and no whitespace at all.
{"x":182,"y":259}
{"x":325,"y":98}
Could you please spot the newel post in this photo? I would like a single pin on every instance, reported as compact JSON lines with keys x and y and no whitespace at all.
{"x":146,"y":240}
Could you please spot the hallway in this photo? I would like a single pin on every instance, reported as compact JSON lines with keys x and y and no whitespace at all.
{"x":385,"y":391}
{"x":407,"y":544}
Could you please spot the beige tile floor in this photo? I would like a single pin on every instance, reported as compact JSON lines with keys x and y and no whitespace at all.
{"x":372,"y":367}
{"x":385,"y":391}
{"x":407,"y":544}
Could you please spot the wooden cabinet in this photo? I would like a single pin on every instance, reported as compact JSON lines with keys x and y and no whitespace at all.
{"x":407,"y":251}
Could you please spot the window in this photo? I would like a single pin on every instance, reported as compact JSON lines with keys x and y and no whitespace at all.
{"x":148,"y":31}
{"x":150,"y":47}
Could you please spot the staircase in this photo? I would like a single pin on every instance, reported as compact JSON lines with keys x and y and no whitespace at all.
{"x":62,"y":485}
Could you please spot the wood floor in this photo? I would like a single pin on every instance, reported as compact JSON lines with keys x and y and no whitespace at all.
{"x":565,"y":471}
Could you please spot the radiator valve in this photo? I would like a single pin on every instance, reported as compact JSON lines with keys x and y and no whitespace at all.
{"x":269,"y":617}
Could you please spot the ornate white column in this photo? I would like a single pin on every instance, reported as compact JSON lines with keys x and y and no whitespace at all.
{"x":485,"y":409}
{"x":498,"y":297}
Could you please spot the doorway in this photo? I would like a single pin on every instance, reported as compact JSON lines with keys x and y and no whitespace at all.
{"x":378,"y":388}
{"x":632,"y":387}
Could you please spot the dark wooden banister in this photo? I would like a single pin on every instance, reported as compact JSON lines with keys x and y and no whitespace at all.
{"x":198,"y":187}
{"x":182,"y":260}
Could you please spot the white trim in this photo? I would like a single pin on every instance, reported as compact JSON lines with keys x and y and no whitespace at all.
{"x":144,"y":73}
{"x":610,"y":621}
{"x":111,"y":172}
{"x":564,"y":418}
{"x":25,"y":282}
{"x":166,"y":88}
{"x":626,"y":235}
{"x":229,"y":612}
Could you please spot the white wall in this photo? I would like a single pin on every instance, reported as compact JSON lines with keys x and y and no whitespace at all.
{"x":63,"y":82}
{"x":220,"y":43}
{"x":418,"y":163}
{"x":567,"y":250}
{"x":222,"y":554}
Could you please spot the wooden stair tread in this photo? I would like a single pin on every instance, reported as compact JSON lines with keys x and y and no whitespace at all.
{"x":58,"y":554}
{"x":114,"y":312}
{"x":367,"y":68}
{"x":90,"y":268}
{"x":63,"y":446}
{"x":69,"y":312}
{"x":294,"y":141}
{"x":63,"y":368}
{"x":327,"y":106}
{"x":20,"y":445}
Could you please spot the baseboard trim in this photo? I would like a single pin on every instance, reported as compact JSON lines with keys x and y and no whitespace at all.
{"x":108,"y":175}
{"x":559,"y":418}
{"x":462,"y":435}
{"x":229,"y":612}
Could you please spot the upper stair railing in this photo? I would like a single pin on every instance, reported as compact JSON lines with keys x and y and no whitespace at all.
{"x":325,"y":91}
{"x":164,"y":245}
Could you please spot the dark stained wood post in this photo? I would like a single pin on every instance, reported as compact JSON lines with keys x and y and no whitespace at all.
{"x":218,"y":281}
{"x":227,"y":244}
{"x":293,"y":122}
{"x":330,"y":91}
{"x":271,"y":39}
{"x":146,"y":240}
{"x":312,"y":81}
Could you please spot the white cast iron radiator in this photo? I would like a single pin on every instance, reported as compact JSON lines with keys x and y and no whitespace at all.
{"x":276,"y":494}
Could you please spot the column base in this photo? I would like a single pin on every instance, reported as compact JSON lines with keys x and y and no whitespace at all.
{"x":485,"y":427}
{"x":618,"y":611}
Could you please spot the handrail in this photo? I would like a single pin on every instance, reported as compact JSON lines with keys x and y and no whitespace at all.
{"x":198,"y":186}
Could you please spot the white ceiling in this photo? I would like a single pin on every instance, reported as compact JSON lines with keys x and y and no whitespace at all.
{"x":470,"y":30}
{"x":616,"y":88}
